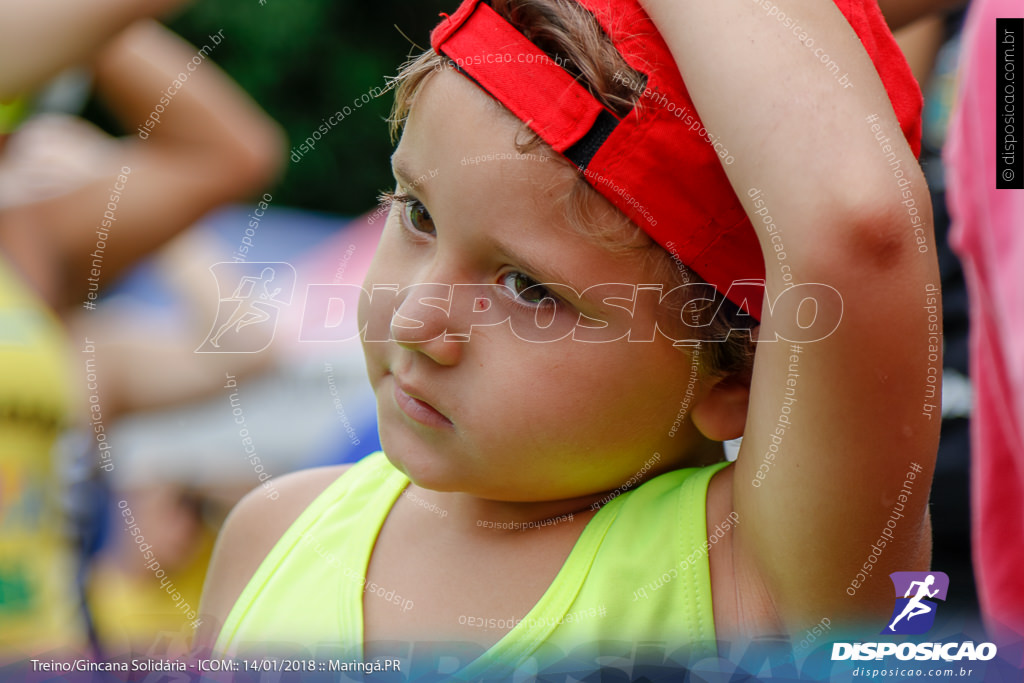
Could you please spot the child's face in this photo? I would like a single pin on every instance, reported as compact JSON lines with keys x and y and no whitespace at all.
{"x":512,"y":420}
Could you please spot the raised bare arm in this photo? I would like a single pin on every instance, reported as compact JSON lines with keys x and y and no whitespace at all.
{"x":834,"y":426}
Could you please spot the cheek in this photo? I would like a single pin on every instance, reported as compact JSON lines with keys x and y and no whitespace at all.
{"x":364,"y":310}
{"x":384,"y":270}
{"x":579,"y":421}
{"x":594,"y":392}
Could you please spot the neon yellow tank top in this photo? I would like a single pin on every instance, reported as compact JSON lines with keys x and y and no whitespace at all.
{"x":652,"y":541}
{"x":38,"y":606}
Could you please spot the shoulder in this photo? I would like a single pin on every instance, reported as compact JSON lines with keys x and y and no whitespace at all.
{"x":252,"y":529}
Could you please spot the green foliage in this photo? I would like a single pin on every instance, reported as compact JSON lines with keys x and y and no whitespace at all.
{"x":304,"y":60}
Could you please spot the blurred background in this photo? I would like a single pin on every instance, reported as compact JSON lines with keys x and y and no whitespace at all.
{"x":302,"y":60}
{"x":189,"y":385}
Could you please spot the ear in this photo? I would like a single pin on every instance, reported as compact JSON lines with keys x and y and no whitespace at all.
{"x":722,"y":414}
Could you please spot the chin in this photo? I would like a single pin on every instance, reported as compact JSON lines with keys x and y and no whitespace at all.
{"x":421,"y":463}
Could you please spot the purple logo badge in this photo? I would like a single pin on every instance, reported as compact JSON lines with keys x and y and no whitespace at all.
{"x":915,"y":611}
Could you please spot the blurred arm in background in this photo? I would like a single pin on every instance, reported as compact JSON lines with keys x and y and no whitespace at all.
{"x":40,"y":38}
{"x":212,"y":145}
{"x":900,"y":13}
{"x":920,"y":42}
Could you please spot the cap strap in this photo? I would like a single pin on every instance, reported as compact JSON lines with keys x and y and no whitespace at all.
{"x":523,"y":77}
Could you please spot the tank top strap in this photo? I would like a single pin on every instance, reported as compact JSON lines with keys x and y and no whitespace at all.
{"x":325,"y":550}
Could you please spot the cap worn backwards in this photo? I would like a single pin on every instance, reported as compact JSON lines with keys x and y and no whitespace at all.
{"x":658,"y":164}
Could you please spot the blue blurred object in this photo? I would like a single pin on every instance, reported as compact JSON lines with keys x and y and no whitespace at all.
{"x":283,"y":234}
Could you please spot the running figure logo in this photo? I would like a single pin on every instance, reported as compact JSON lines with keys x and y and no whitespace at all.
{"x":258,"y":292}
{"x":914,"y":612}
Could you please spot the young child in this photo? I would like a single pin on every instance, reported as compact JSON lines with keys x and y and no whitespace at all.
{"x":553,"y":485}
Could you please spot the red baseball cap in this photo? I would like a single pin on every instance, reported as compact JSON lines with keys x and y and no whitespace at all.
{"x":657,"y":164}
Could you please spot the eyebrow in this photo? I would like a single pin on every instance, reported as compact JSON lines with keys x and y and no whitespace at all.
{"x":403,"y":174}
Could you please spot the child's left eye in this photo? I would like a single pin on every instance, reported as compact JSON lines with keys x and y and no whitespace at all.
{"x":527,"y":289}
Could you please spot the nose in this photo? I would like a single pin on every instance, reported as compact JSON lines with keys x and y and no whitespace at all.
{"x":421,"y":323}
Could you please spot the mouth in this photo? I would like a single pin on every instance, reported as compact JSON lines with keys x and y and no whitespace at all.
{"x":408,"y":401}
